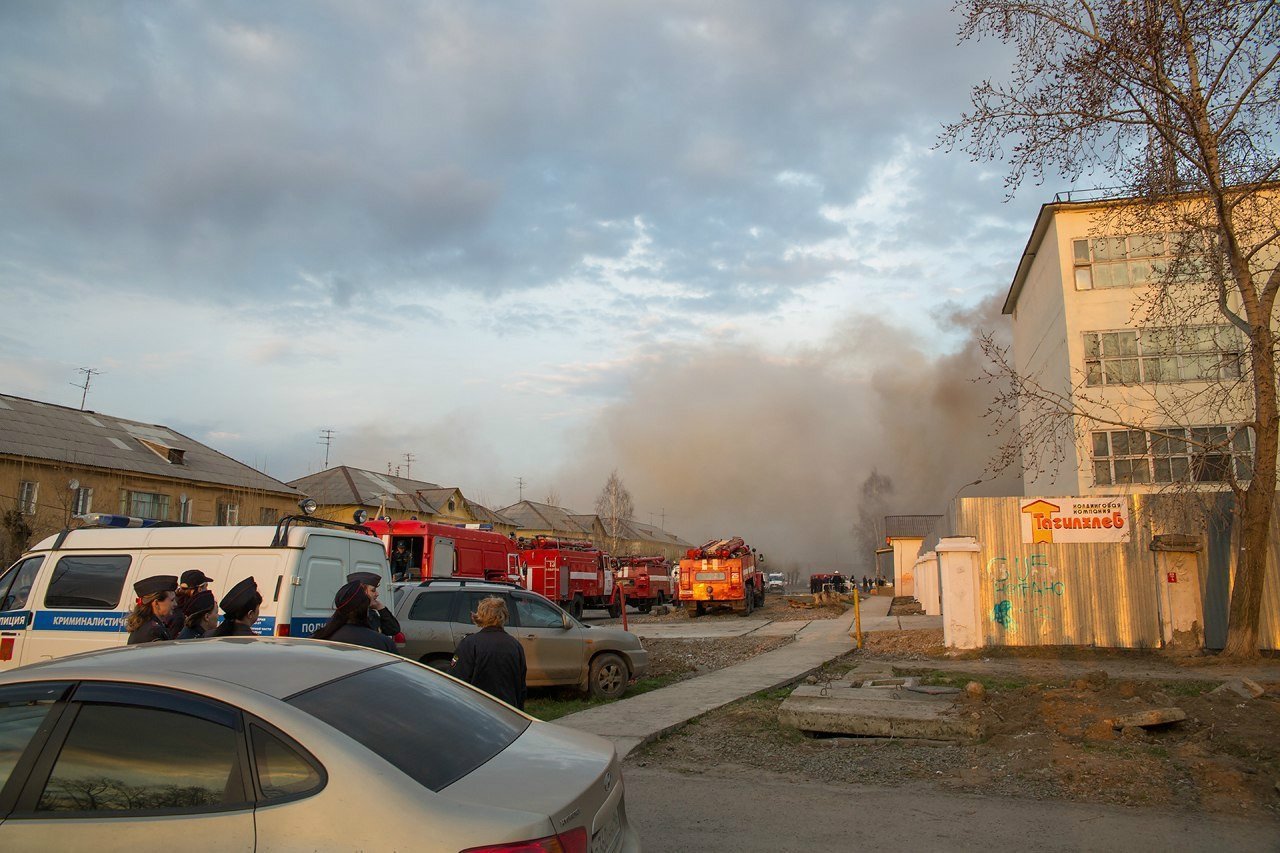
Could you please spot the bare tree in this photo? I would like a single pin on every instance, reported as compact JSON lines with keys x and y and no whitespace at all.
{"x":614,"y":506}
{"x":1176,"y":100}
{"x":872,"y":507}
{"x":553,"y":497}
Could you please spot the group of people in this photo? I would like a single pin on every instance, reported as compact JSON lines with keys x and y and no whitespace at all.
{"x":173,"y":608}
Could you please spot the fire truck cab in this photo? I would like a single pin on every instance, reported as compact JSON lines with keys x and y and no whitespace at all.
{"x":646,"y":581}
{"x":722,"y":573}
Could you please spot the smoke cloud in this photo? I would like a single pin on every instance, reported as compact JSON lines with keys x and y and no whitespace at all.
{"x":734,"y":440}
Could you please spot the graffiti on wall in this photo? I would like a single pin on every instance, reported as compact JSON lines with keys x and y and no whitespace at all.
{"x":1024,"y":588}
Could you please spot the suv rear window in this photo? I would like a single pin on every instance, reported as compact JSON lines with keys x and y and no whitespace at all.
{"x":89,"y":582}
{"x":431,"y":606}
{"x":433,"y":729}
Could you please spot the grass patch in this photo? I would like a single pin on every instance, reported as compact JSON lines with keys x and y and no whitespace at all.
{"x":551,"y":703}
{"x":939,"y":678}
{"x":1188,"y":688}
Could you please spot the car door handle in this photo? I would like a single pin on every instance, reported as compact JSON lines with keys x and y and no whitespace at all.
{"x":531,"y":636}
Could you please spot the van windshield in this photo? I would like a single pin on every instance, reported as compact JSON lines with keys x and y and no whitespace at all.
{"x":428,"y":726}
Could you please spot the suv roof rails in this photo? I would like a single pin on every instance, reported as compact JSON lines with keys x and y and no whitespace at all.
{"x":282,"y":527}
{"x":465,"y":581}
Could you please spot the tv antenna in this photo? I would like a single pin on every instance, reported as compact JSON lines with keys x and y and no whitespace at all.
{"x":89,"y":373}
{"x":326,"y":438}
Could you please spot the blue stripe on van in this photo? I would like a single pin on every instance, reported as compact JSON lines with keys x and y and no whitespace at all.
{"x":79,"y":620}
{"x":14,"y":619}
{"x":304,"y":626}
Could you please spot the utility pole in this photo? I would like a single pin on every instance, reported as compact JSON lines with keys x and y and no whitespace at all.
{"x":520,"y":486}
{"x":89,"y":373}
{"x":409,"y":459}
{"x":664,"y":519}
{"x":326,"y":438}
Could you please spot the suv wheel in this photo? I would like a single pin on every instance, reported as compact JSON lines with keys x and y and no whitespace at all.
{"x":441,"y":662}
{"x":608,"y":677}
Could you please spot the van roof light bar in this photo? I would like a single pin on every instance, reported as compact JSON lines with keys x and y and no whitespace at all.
{"x":283,"y":526}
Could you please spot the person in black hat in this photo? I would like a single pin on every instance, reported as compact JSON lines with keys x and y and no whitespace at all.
{"x":202,"y":616}
{"x":350,"y":620}
{"x":148,"y":623}
{"x":381,"y":619}
{"x":400,"y":561}
{"x":240,"y":610}
{"x":191,"y":582}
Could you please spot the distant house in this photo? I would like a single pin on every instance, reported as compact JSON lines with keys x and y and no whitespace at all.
{"x":342,"y":490}
{"x":904,"y":534}
{"x":539,"y":519}
{"x":57,"y":463}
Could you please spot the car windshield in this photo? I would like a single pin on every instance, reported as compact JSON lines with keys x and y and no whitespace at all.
{"x":431,"y":728}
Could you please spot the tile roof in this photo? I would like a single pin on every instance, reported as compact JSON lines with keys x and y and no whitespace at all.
{"x":44,"y":431}
{"x":909,"y":526}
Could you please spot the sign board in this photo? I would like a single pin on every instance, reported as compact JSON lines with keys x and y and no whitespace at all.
{"x":1072,"y":520}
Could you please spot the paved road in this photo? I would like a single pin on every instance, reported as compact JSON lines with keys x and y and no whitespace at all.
{"x":739,"y":811}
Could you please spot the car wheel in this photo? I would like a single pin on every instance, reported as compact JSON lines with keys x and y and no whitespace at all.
{"x":441,"y":662}
{"x":614,"y":610}
{"x":608,"y":677}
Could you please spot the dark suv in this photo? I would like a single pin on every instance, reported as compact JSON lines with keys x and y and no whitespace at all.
{"x":559,"y":650}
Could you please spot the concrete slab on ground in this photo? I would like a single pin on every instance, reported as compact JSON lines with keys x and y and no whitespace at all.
{"x":876,"y":712}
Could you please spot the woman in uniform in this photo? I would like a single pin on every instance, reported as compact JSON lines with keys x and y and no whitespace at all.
{"x":239,"y":610}
{"x":191,"y":582}
{"x":202,"y":616}
{"x":148,"y":623}
{"x":350,"y":620}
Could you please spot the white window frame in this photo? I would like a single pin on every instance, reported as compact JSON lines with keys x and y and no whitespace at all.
{"x":1163,"y":455}
{"x":83,"y":504}
{"x":228,"y":513}
{"x":1164,"y":355}
{"x":28,"y":496}
{"x":158,"y":500}
{"x":184,"y":510}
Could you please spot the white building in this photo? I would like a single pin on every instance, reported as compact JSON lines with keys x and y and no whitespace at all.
{"x":1079,"y":330}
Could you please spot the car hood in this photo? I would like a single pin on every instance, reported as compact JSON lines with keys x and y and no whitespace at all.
{"x":569,"y":776}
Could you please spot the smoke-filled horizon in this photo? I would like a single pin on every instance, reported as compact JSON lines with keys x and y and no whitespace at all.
{"x":731,"y":440}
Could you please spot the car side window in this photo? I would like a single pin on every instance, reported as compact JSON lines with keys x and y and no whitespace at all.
{"x":533,"y":613}
{"x":128,"y":758}
{"x":283,"y":772}
{"x":467,"y":606}
{"x":91,"y":582}
{"x":15,"y":586}
{"x":22,"y":709}
{"x":431,"y":606}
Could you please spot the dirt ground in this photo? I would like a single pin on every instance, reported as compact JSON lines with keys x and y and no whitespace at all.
{"x":775,"y":609}
{"x":1044,"y":739}
{"x":690,"y":658}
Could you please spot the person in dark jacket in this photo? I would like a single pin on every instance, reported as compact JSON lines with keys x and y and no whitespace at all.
{"x":380,"y":617}
{"x":202,"y":616}
{"x":492,"y":659}
{"x":400,"y":558}
{"x":149,"y":621}
{"x":239,"y":610}
{"x":350,"y":620}
{"x":191,"y":582}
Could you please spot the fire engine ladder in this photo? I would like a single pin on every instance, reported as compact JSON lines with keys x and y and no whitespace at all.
{"x":550,"y":581}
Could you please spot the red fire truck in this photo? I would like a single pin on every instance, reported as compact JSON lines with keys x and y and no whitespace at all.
{"x":444,"y":551}
{"x":574,"y":573}
{"x":722,"y":573}
{"x":645,"y":580}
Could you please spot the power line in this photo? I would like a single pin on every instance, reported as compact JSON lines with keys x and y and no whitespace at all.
{"x":326,"y":438}
{"x":89,"y":373}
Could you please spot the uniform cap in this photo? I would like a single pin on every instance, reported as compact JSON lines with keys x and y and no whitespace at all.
{"x":351,"y":595}
{"x":155,"y":584}
{"x":239,"y":599}
{"x":364,"y":577}
{"x":192,"y":578}
{"x":201,"y":602}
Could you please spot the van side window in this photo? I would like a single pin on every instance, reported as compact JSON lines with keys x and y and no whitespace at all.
{"x":15,"y":586}
{"x":431,"y":606}
{"x":89,"y":582}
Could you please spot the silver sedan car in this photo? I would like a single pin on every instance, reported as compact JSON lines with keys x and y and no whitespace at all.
{"x":279,"y":744}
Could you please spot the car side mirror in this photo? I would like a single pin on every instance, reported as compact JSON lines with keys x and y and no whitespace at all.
{"x":565,"y":622}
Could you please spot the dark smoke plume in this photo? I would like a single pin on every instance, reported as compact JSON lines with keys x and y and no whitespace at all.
{"x":732,"y":440}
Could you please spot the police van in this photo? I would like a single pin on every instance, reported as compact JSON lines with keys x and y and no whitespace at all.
{"x":71,"y":592}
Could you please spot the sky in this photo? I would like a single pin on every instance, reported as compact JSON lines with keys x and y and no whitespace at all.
{"x":711,"y":245}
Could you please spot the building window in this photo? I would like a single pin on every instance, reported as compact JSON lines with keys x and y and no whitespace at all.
{"x":83,"y":502}
{"x":1102,"y":262}
{"x":228,"y":513}
{"x":184,"y":509}
{"x":27,"y":492}
{"x":145,"y":505}
{"x":1167,"y":456}
{"x":1184,"y":354}
{"x":268,"y":515}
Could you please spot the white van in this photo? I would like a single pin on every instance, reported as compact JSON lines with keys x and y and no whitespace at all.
{"x":71,"y":592}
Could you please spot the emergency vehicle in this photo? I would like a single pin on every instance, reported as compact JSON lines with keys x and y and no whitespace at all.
{"x":72,"y":591}
{"x":646,"y":581}
{"x":573,"y":573}
{"x":722,"y":573}
{"x":445,"y":551}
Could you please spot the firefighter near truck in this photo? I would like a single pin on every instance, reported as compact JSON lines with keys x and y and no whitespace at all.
{"x":722,"y":573}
